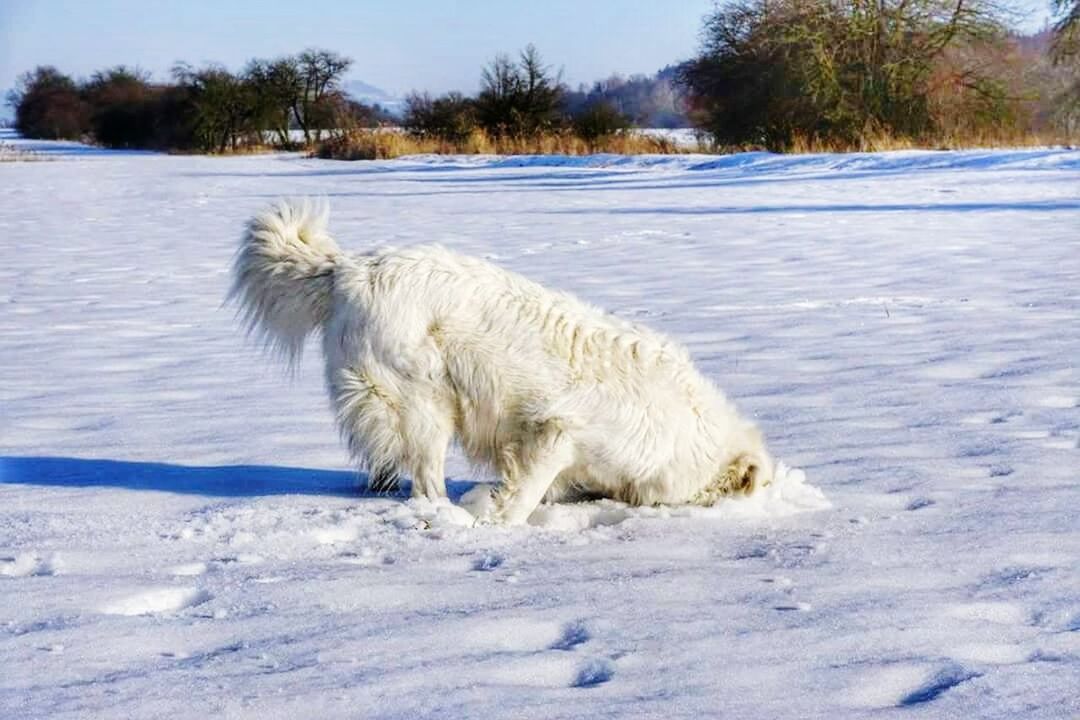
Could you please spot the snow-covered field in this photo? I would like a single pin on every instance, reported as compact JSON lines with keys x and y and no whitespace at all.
{"x":180,"y":535}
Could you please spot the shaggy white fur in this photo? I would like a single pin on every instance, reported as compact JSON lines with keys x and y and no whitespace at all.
{"x":424,"y":347}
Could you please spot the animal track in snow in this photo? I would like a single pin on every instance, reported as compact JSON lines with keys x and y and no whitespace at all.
{"x":542,"y":654}
{"x":488,"y":562}
{"x":366,"y":557}
{"x":596,"y":671}
{"x":939,"y":683}
{"x":903,"y":684}
{"x":919,"y":503}
{"x":574,"y":634}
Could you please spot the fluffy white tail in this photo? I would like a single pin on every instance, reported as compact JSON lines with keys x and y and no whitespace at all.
{"x":283,"y":274}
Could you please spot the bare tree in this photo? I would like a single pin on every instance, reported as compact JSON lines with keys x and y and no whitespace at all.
{"x":320,"y":73}
{"x":542,"y":92}
{"x":520,"y":98}
{"x":276,"y":90}
{"x":223,"y":105}
{"x":450,"y":117}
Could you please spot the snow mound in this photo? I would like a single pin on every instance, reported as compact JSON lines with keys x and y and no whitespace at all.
{"x":27,"y":565}
{"x":787,"y":494}
{"x":157,"y":600}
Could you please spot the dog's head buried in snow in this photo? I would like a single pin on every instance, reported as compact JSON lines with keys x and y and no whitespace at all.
{"x":424,"y":346}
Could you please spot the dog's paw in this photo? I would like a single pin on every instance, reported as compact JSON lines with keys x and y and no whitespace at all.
{"x":493,"y":518}
{"x":441,"y":513}
{"x":480,"y":500}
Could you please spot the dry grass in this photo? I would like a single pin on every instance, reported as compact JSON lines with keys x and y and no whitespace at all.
{"x":242,"y":148}
{"x":384,"y":145}
{"x":11,"y":153}
{"x":881,"y":142}
{"x":1004,"y":140}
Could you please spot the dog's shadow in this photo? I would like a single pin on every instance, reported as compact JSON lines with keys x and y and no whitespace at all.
{"x":211,"y":481}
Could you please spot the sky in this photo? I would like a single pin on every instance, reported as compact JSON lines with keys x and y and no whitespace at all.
{"x":434,"y":45}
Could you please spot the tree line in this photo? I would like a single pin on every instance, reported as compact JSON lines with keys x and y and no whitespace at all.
{"x":521,"y":98}
{"x":207,"y":109}
{"x":778,"y":74}
{"x":807,"y":74}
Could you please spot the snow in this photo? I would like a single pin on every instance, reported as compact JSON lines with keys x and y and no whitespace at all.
{"x":180,"y":534}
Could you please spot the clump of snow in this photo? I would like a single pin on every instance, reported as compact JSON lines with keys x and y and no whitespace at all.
{"x":157,"y":600}
{"x":27,"y":565}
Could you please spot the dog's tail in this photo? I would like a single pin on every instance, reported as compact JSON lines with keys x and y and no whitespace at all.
{"x":283,"y":274}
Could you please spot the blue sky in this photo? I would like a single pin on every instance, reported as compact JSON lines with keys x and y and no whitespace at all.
{"x":399,"y":46}
{"x":435,"y":45}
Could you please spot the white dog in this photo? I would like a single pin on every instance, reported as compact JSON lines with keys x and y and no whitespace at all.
{"x":424,"y":347}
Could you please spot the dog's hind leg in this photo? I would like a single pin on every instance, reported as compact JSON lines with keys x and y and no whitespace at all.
{"x":393,"y":436}
{"x":426,"y":463}
{"x":529,"y":471}
{"x":426,"y":427}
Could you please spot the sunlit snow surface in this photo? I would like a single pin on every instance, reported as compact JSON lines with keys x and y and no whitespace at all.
{"x":181,"y":537}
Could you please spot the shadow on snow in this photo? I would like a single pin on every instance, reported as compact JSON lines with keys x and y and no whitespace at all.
{"x":1034,"y":206}
{"x":213,"y":481}
{"x":221,"y":481}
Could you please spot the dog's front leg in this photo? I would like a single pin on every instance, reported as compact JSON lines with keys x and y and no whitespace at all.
{"x":525,"y":485}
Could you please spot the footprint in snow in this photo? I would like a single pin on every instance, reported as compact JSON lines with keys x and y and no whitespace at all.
{"x":241,"y":558}
{"x":903,"y":684}
{"x":919,"y":503}
{"x":596,"y":671}
{"x":941,"y":682}
{"x":365,"y":557}
{"x":539,"y":653}
{"x":488,"y":562}
{"x":573,"y":635}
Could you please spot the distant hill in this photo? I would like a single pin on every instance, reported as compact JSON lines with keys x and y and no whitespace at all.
{"x":649,"y":101}
{"x":371,"y":95}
